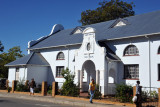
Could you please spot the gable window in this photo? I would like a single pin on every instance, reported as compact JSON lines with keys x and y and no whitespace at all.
{"x":60,"y":56}
{"x":131,"y":50}
{"x":159,"y":50}
{"x":59,"y":70}
{"x":131,"y":71}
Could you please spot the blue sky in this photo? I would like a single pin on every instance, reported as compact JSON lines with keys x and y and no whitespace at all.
{"x":25,"y":20}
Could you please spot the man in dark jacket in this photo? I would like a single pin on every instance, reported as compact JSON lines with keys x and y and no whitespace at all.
{"x":32,"y":86}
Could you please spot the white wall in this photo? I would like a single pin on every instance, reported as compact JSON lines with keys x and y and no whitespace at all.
{"x":22,"y":74}
{"x":142,"y":44}
{"x":51,"y":54}
{"x":11,"y":75}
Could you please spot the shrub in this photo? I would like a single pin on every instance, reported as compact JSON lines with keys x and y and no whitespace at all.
{"x":124,"y":93}
{"x":69,"y":88}
{"x":9,"y":89}
{"x":49,"y":89}
{"x":38,"y":89}
{"x":21,"y":87}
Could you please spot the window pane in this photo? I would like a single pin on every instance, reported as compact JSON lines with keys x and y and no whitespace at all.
{"x":131,"y":50}
{"x":59,"y":70}
{"x":131,"y":71}
{"x":60,"y":55}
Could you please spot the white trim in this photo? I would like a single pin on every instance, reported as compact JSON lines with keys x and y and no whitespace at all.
{"x":25,"y":65}
{"x":56,"y":46}
{"x":133,"y":36}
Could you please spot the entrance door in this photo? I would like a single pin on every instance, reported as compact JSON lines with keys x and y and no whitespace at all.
{"x":88,"y":72}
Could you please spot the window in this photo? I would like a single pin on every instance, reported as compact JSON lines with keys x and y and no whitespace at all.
{"x":131,"y":71}
{"x":159,"y":50}
{"x":59,"y":70}
{"x":158,"y":71}
{"x":60,"y":56}
{"x":88,"y":46}
{"x":131,"y":50}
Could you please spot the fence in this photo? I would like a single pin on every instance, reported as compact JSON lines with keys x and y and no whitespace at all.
{"x":149,"y":96}
{"x":23,"y":87}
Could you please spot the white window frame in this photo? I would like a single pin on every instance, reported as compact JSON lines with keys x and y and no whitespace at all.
{"x":131,"y":50}
{"x":131,"y":71}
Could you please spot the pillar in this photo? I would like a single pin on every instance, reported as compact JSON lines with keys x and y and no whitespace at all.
{"x":53,"y":89}
{"x":44,"y":88}
{"x":134,"y":90}
{"x":158,"y":97}
{"x":7,"y":84}
{"x":97,"y":77}
{"x":13,"y":86}
{"x":81,"y":81}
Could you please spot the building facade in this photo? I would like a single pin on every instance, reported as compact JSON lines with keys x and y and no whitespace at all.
{"x":113,"y":52}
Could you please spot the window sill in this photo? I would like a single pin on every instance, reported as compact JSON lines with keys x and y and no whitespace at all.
{"x":59,"y":77}
{"x":130,"y":55}
{"x":130,"y":79}
{"x":60,"y":59}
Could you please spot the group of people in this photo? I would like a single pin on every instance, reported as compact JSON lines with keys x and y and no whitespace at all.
{"x":92,"y":87}
{"x":138,"y":92}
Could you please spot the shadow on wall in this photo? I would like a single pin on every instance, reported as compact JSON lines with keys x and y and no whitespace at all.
{"x":50,"y":77}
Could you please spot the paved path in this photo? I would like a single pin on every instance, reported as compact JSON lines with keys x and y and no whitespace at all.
{"x":55,"y":100}
{"x":12,"y":102}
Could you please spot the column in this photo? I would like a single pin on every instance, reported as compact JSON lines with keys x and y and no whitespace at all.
{"x":97,"y":77}
{"x":53,"y":89}
{"x":44,"y":88}
{"x":158,"y":97}
{"x":81,"y":81}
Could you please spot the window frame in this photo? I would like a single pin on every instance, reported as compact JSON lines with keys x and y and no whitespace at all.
{"x":135,"y":73}
{"x":58,"y":56}
{"x":58,"y":75}
{"x":129,"y":53}
{"x":158,"y":72}
{"x":158,"y":52}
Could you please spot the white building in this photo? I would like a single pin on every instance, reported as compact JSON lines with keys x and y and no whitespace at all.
{"x":112,"y":52}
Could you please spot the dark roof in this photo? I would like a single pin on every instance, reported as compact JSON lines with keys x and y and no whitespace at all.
{"x":138,"y":25}
{"x":31,"y":59}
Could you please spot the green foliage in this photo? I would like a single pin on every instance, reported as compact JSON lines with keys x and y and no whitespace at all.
{"x":49,"y":89}
{"x":69,"y":88}
{"x":5,"y":58}
{"x":124,"y":93}
{"x":21,"y":87}
{"x":38,"y":89}
{"x":97,"y":94}
{"x":146,"y":94}
{"x":9,"y":89}
{"x":108,"y":10}
{"x":1,"y":47}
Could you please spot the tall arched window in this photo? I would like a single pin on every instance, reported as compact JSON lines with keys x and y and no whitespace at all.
{"x":131,"y":50}
{"x":159,"y":50}
{"x":60,"y":56}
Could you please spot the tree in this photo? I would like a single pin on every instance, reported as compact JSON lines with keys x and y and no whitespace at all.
{"x":108,"y":10}
{"x":69,"y":88}
{"x":13,"y":54}
{"x":1,"y":47}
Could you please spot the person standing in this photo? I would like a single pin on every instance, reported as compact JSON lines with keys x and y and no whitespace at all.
{"x":138,"y":94}
{"x":92,"y":90}
{"x":32,"y":86}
